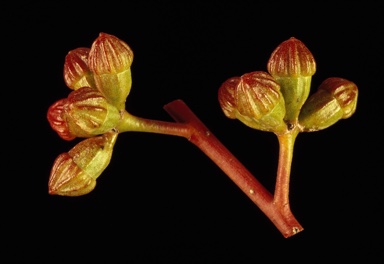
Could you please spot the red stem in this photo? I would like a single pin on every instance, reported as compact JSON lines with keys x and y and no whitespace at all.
{"x":275,"y":207}
{"x":232,"y":167}
{"x":281,"y":194}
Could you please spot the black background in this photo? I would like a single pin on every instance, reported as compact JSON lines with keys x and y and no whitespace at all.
{"x":161,"y":200}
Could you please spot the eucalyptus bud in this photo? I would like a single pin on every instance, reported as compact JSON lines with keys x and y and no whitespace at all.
{"x":110,"y":61}
{"x":292,"y":65}
{"x":255,"y":99}
{"x":345,"y":92}
{"x":74,"y":173}
{"x":88,"y":113}
{"x":76,"y":71}
{"x":335,"y":99}
{"x":85,"y":113}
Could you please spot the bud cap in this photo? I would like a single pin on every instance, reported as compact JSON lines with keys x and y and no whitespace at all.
{"x":291,"y":59}
{"x":57,"y":122}
{"x":76,"y":71}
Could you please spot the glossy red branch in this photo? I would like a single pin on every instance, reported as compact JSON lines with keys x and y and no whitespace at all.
{"x":203,"y":138}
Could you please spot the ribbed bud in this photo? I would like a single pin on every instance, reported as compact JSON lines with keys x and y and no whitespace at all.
{"x":255,"y":99}
{"x":345,"y":92}
{"x":110,"y":60}
{"x":291,"y":59}
{"x":76,"y":71}
{"x":292,"y":65}
{"x":56,"y":120}
{"x":335,"y":99}
{"x":75,"y":173}
{"x":88,"y":113}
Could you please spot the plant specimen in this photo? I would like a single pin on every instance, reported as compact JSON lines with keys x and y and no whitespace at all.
{"x":276,"y":101}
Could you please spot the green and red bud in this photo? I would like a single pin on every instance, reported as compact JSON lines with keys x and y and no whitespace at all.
{"x":255,"y":99}
{"x":110,"y":61}
{"x":345,"y":92}
{"x":85,"y":113}
{"x":76,"y":71}
{"x":335,"y":99}
{"x":75,"y":173}
{"x":292,"y":65}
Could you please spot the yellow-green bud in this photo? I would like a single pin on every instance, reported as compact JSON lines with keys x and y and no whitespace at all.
{"x":255,"y":99}
{"x":88,"y":113}
{"x":292,"y":65}
{"x":110,"y":61}
{"x":76,"y":71}
{"x":75,"y":173}
{"x":335,"y":99}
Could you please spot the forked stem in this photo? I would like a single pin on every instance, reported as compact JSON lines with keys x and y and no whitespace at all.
{"x":284,"y":220}
{"x":189,"y":126}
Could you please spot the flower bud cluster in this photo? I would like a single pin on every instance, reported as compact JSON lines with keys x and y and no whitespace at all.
{"x":105,"y":66}
{"x":100,"y":80}
{"x":278,"y":100}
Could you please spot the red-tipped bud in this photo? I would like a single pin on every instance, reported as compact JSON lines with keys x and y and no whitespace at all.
{"x":110,"y":60}
{"x":75,"y":173}
{"x":85,"y":113}
{"x":88,"y":113}
{"x":76,"y":71}
{"x":292,"y":65}
{"x":335,"y":99}
{"x":254,"y":99}
{"x":344,"y":91}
